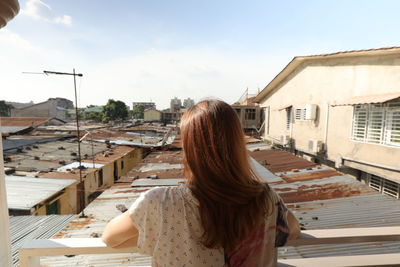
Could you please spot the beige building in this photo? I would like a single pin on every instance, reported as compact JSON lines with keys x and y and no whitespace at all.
{"x":152,"y":115}
{"x":340,"y":108}
{"x":40,"y":196}
{"x":53,"y":107}
{"x":109,"y":167}
{"x":250,"y":114}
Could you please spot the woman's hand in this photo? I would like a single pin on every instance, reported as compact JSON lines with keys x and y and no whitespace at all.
{"x":120,"y":232}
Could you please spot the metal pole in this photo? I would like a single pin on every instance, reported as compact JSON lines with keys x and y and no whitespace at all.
{"x":91,"y":141}
{"x":81,"y":187}
{"x":5,"y":240}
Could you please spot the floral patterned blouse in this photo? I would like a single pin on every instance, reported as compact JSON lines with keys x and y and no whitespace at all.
{"x":169,"y":226}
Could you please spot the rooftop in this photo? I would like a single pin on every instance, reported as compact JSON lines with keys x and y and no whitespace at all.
{"x":48,"y":156}
{"x":19,"y":190}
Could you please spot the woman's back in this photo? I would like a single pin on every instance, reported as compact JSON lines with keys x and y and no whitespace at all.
{"x":170,"y":230}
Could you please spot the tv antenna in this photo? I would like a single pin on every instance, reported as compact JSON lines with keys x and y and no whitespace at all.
{"x":74,"y":74}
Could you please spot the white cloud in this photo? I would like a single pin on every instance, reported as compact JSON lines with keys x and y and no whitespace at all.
{"x":67,"y":20}
{"x":160,"y":75}
{"x":12,"y":39}
{"x":39,"y":10}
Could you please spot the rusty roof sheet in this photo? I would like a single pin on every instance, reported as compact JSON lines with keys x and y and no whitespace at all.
{"x":280,"y":161}
{"x":99,"y":212}
{"x":172,"y":157}
{"x":177,"y":143}
{"x":156,"y":182}
{"x":163,"y":164}
{"x":368,"y":99}
{"x":112,"y":154}
{"x":23,"y":121}
{"x":319,"y":197}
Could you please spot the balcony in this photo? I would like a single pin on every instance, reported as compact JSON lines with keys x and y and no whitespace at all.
{"x":33,"y":250}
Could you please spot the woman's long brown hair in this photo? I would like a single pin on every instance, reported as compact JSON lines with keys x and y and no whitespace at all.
{"x":232,"y":198}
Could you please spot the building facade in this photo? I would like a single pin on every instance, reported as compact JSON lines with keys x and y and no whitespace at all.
{"x":175,"y":105}
{"x":53,"y":107}
{"x":250,"y":114}
{"x":188,"y":103}
{"x":152,"y":115}
{"x":342,"y":109}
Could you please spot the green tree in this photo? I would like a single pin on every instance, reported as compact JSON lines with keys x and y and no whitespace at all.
{"x":114,"y":110}
{"x":5,"y":109}
{"x":94,"y":116}
{"x":138,"y":112}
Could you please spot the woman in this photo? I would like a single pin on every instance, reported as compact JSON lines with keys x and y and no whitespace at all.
{"x":223,"y":216}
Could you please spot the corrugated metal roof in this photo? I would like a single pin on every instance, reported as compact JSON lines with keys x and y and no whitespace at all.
{"x":25,"y":228}
{"x":13,"y":143}
{"x":368,"y":99}
{"x":157,"y":182}
{"x":372,"y":210}
{"x":25,"y":192}
{"x":280,"y":161}
{"x":336,"y":201}
{"x":125,"y":143}
{"x":159,"y":166}
{"x":13,"y":129}
{"x":75,"y":165}
{"x":99,"y":212}
{"x":23,"y":121}
{"x":322,"y":198}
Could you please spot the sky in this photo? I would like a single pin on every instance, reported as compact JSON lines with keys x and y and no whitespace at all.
{"x":150,"y":50}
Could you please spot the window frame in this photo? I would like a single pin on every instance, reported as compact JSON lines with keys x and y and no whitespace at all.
{"x":250,"y":114}
{"x":382,"y":122}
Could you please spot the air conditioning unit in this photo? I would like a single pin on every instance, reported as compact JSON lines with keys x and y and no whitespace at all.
{"x":315,"y":146}
{"x":311,"y":112}
{"x":285,"y":139}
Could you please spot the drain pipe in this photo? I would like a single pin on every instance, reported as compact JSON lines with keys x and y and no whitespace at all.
{"x":326,"y":126}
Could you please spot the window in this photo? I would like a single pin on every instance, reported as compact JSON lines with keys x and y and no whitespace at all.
{"x":250,"y":114}
{"x":300,"y":114}
{"x":383,"y":185}
{"x":288,"y":117}
{"x":53,"y":208}
{"x":377,"y":123}
{"x":100,"y":181}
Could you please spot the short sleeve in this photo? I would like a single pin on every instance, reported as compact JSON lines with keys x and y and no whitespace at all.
{"x":282,"y":228}
{"x":144,"y":213}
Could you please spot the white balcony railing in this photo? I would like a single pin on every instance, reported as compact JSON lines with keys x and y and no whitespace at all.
{"x":31,"y":252}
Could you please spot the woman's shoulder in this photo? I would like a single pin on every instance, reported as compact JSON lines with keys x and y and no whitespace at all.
{"x":166,"y":194}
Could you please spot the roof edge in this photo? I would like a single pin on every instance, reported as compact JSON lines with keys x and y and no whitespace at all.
{"x":296,"y":61}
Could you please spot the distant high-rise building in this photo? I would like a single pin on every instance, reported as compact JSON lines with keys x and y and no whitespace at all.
{"x":175,"y":105}
{"x":188,"y":103}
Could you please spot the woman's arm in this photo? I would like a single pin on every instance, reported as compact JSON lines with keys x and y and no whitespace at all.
{"x":120,"y":232}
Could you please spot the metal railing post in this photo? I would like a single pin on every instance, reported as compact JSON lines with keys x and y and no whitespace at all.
{"x":28,"y":260}
{"x":5,"y":240}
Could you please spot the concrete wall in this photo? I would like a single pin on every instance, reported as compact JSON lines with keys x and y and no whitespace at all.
{"x":44,"y":109}
{"x":67,"y":202}
{"x":322,"y":83}
{"x":38,"y":110}
{"x":152,"y":115}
